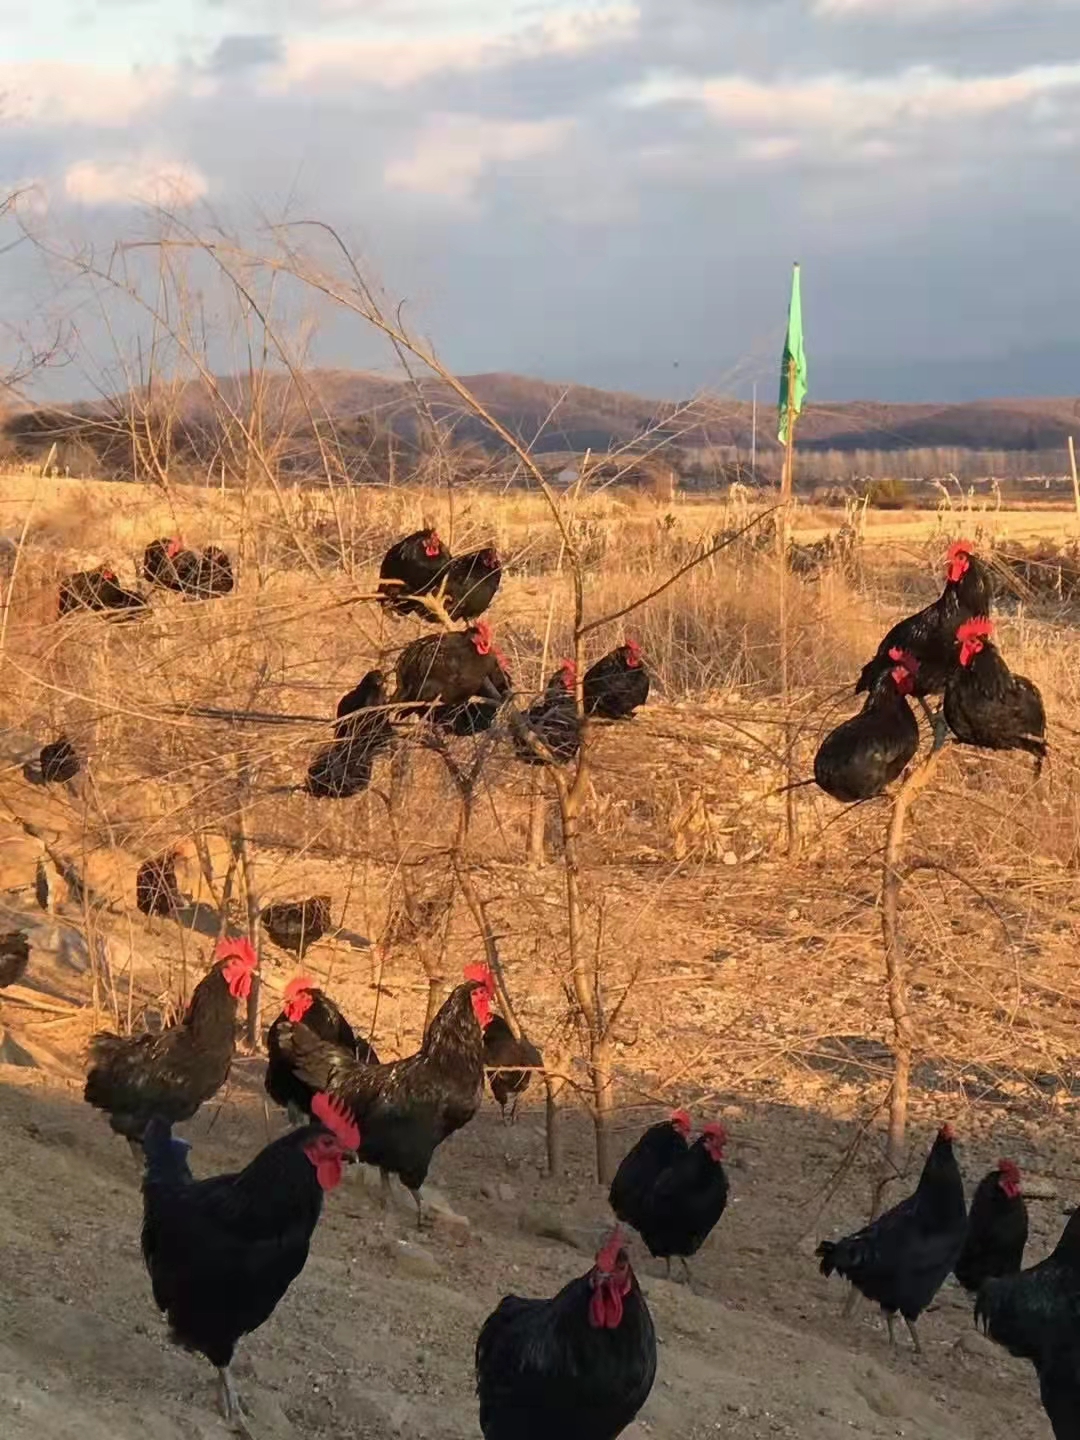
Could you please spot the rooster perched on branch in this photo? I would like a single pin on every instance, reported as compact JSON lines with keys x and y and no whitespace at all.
{"x":986,"y":704}
{"x":553,"y":721}
{"x":411,"y":567}
{"x":452,"y":668}
{"x":858,"y":759}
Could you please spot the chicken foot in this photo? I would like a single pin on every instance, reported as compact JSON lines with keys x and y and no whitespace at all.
{"x":890,"y":1320}
{"x":232,"y":1407}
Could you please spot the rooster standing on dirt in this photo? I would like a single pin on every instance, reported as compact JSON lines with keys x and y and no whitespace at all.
{"x":134,"y":1077}
{"x":451,"y":668}
{"x":617,"y":684}
{"x":997,"y":1228}
{"x":305,"y":1004}
{"x":928,"y":635}
{"x":59,"y":761}
{"x":296,"y":924}
{"x":416,"y":563}
{"x":552,"y":720}
{"x":858,"y":759}
{"x":660,"y":1146}
{"x":222,"y":1252}
{"x":406,"y":1108}
{"x":578,"y":1367}
{"x":680,"y":1210}
{"x":509,"y":1064}
{"x":97,"y":589}
{"x":902,"y":1259}
{"x":156,"y":888}
{"x":986,"y":704}
{"x":1035,"y":1315}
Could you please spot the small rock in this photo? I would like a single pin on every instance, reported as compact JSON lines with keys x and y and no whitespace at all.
{"x":414,"y":1259}
{"x":535,"y":1220}
{"x":730,"y":858}
{"x":506,"y":1193}
{"x":972,"y":1343}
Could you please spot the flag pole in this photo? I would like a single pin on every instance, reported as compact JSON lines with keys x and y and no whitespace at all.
{"x":793,"y":356}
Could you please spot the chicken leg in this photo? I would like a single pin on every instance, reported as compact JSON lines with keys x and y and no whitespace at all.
{"x":232,"y":1408}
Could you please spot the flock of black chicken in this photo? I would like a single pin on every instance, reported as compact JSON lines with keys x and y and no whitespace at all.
{"x":945,"y":649}
{"x":222,"y":1252}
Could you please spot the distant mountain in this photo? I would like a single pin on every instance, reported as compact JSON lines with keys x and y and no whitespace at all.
{"x":358,"y":407}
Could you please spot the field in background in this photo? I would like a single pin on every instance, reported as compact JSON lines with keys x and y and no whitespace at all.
{"x":758,"y":990}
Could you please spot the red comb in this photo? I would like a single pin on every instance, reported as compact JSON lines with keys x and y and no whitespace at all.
{"x":978,"y":629}
{"x":1009,"y":1168}
{"x":297,"y":985}
{"x":681,"y":1119}
{"x":905,"y":658}
{"x":238,"y":948}
{"x":960,"y":547}
{"x":337,"y":1120}
{"x":608,"y":1254}
{"x":483,"y":974}
{"x":947,"y":1132}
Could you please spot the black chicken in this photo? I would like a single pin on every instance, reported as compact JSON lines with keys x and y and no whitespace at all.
{"x":1036,"y":1316}
{"x":159,"y":562}
{"x":202,"y":575}
{"x":986,"y":704}
{"x":304,"y":1003}
{"x":902,"y":1258}
{"x":660,"y":1146}
{"x":134,"y":1077}
{"x":406,"y":1108}
{"x":59,"y":761}
{"x":553,"y":721}
{"x":362,"y":731}
{"x":997,"y":1228}
{"x":471,"y":582}
{"x":296,"y":924}
{"x":222,"y":1252}
{"x":503,"y":1058}
{"x":14,"y":957}
{"x":474,"y":717}
{"x":617,"y":684}
{"x":928,"y":635}
{"x":679,"y":1211}
{"x":452,"y":668}
{"x":97,"y":589}
{"x":579,"y":1366}
{"x":858,"y":759}
{"x":156,"y":889}
{"x":416,"y":564}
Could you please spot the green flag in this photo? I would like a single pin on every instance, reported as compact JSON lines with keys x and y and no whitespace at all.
{"x":793,"y":351}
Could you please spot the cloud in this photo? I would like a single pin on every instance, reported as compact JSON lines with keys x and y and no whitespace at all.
{"x":453,"y":152}
{"x":139,"y":180}
{"x":234,"y":54}
{"x":52,"y":96}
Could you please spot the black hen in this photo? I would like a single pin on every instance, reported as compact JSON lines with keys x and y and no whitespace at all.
{"x":678,"y":1213}
{"x":553,"y":721}
{"x":156,"y":890}
{"x":14,"y":957}
{"x":222,"y":1252}
{"x":1036,"y":1316}
{"x":471,"y":582}
{"x":503,"y":1058}
{"x":652,"y":1153}
{"x":134,"y":1077}
{"x":202,"y":575}
{"x":59,"y":761}
{"x":858,"y":759}
{"x":452,"y":668}
{"x":902,"y":1259}
{"x":159,"y":559}
{"x":97,"y":589}
{"x":928,"y":635}
{"x":986,"y":704}
{"x":296,"y":924}
{"x":997,"y":1228}
{"x":362,"y":731}
{"x":474,"y":717}
{"x":579,"y":1366}
{"x":406,"y":1108}
{"x":617,"y":684}
{"x":416,"y":564}
{"x":304,"y":1003}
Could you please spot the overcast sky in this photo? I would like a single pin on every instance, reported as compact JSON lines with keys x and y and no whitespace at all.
{"x":612,"y":191}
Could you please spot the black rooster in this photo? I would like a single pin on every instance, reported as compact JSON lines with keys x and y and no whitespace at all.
{"x":858,"y":759}
{"x":617,"y":684}
{"x":503,"y":1058}
{"x":156,"y":890}
{"x":471,"y":582}
{"x":680,"y":1210}
{"x":296,"y":924}
{"x":579,"y":1366}
{"x":59,"y":761}
{"x":416,"y":564}
{"x":474,"y":717}
{"x":902,"y":1258}
{"x":553,"y":721}
{"x":986,"y":704}
{"x":304,"y":1003}
{"x":134,"y":1077}
{"x":928,"y":635}
{"x":660,"y":1146}
{"x":97,"y":589}
{"x":202,"y":575}
{"x":222,"y":1252}
{"x":14,"y":957}
{"x":159,"y":562}
{"x":1036,"y":1316}
{"x":408,"y":1107}
{"x":452,"y":668}
{"x":362,"y":731}
{"x":997,"y":1228}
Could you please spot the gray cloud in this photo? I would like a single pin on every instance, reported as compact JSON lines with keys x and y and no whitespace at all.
{"x":235,"y":54}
